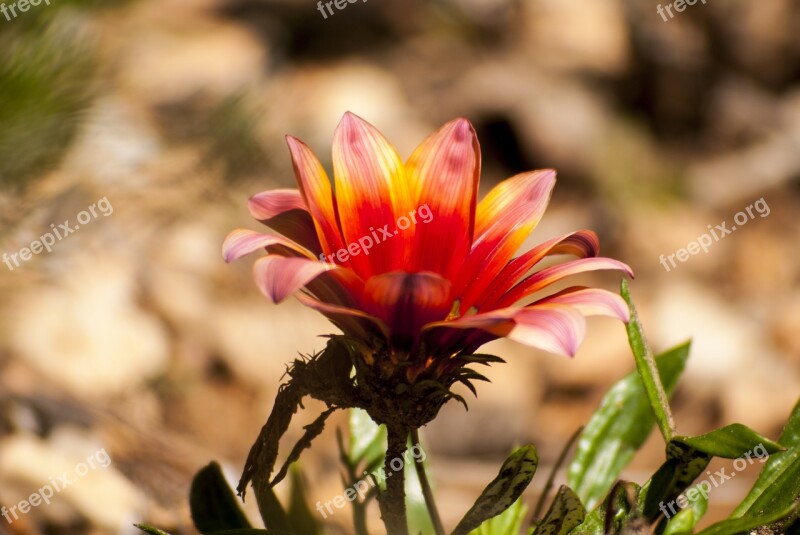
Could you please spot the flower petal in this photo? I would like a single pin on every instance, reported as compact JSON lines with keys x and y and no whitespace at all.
{"x":279,"y":277}
{"x":315,"y":188}
{"x":285,"y":211}
{"x":407,"y":301}
{"x":444,"y":172}
{"x":504,"y":219}
{"x":268,"y":204}
{"x":552,"y":327}
{"x":371,"y":192}
{"x":560,"y":329}
{"x":591,"y":302}
{"x":552,"y":274}
{"x":241,"y":242}
{"x":583,"y":244}
{"x":350,"y":320}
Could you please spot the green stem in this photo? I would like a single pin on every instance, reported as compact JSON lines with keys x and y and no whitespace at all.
{"x":648,"y":371}
{"x":393,"y":499}
{"x":427,"y":492}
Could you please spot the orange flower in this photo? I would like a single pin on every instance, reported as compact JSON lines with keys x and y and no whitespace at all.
{"x":404,"y":258}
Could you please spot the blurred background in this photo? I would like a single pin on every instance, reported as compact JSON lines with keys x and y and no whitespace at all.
{"x":133,"y":337}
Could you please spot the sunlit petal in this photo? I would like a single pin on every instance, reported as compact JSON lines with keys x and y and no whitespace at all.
{"x":583,"y":244}
{"x":279,"y":277}
{"x":317,"y":194}
{"x":503,"y":221}
{"x":407,"y":301}
{"x":444,"y":172}
{"x":548,"y":276}
{"x":285,"y":211}
{"x":352,"y":321}
{"x":241,"y":242}
{"x":552,"y":327}
{"x":371,"y":193}
{"x":591,"y":302}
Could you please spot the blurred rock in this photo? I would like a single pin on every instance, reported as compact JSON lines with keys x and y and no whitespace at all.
{"x":573,"y":36}
{"x":749,"y":172}
{"x":87,"y":334}
{"x":258,"y":341}
{"x":730,"y":358}
{"x":172,"y":63}
{"x":101,"y":495}
{"x":784,"y":322}
{"x":315,"y":100}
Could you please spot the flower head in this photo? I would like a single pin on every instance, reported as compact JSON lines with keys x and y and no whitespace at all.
{"x":403,"y":257}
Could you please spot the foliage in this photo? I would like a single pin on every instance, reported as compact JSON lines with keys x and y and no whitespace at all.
{"x":594,"y":500}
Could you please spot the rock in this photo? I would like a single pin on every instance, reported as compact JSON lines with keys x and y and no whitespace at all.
{"x":731,"y":360}
{"x":169,"y":64}
{"x":86,"y":333}
{"x":784,"y":325}
{"x":258,"y":340}
{"x":578,"y":36}
{"x":78,"y":475}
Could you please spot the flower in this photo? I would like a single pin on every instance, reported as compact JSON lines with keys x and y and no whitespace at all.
{"x":431,"y":290}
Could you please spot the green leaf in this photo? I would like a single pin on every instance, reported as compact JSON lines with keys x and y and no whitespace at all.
{"x":367,"y":439}
{"x":565,"y":514}
{"x":730,"y":442}
{"x":301,"y":519}
{"x":778,"y":485}
{"x":514,"y":477}
{"x":150,"y":529}
{"x":509,"y":522}
{"x":681,"y":468}
{"x":618,"y":429}
{"x":271,"y":510}
{"x":419,"y":519}
{"x":684,"y":522}
{"x":646,"y":366}
{"x":735,"y":526}
{"x":618,"y":513}
{"x":212,"y":503}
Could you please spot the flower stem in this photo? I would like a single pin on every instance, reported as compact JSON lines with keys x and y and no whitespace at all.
{"x":393,"y":499}
{"x":427,"y":492}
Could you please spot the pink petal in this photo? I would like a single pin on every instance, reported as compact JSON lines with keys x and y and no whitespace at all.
{"x":268,"y":204}
{"x":241,"y":242}
{"x":284,"y":210}
{"x":279,"y":277}
{"x":559,"y":329}
{"x":591,"y":302}
{"x":548,"y":276}
{"x":551,"y":327}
